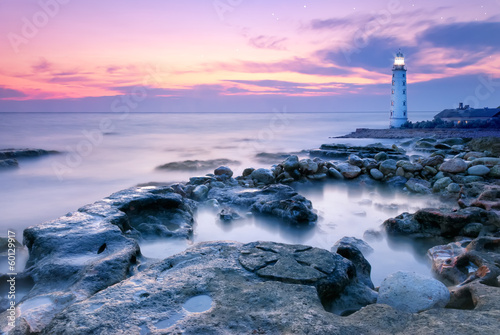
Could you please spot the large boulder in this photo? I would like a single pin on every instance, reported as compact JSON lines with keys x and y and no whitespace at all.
{"x":412,"y":292}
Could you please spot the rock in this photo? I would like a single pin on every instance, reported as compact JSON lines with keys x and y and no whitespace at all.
{"x":478,"y":170}
{"x":355,"y":160}
{"x":472,"y":179}
{"x":442,"y":146}
{"x":397,"y":182}
{"x":400,"y":172}
{"x":429,"y":223}
{"x":433,"y":161}
{"x":279,"y":201}
{"x":24,"y":153}
{"x":412,"y":292}
{"x":317,"y":176}
{"x":419,"y":145}
{"x":482,"y":144}
{"x":495,"y":172}
{"x":271,"y":157}
{"x":471,"y":155}
{"x":417,"y":185}
{"x":472,"y":229}
{"x":376,"y":174}
{"x":459,"y":263}
{"x":348,"y":171}
{"x":453,"y":188}
{"x":409,"y":167}
{"x":335,"y":174}
{"x":200,"y":180}
{"x":223,"y":172}
{"x":441,"y":184}
{"x":264,"y":176}
{"x":429,"y":171}
{"x":9,"y":163}
{"x":458,"y":148}
{"x":228,"y":215}
{"x":308,"y":166}
{"x":291,"y":163}
{"x":453,"y":141}
{"x":454,"y":165}
{"x":487,"y":161}
{"x":361,"y":245}
{"x":247,"y":172}
{"x":197,"y":165}
{"x":381,"y":156}
{"x":388,"y":166}
{"x":200,"y":192}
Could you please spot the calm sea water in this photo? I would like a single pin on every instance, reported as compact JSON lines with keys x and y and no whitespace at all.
{"x":103,"y":153}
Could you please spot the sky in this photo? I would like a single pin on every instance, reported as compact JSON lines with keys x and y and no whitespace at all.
{"x":245,"y":55}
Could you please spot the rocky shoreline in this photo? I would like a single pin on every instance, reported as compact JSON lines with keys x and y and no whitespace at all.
{"x":440,"y":133}
{"x":86,"y":273}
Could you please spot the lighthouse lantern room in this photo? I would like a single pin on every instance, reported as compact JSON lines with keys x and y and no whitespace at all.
{"x":399,"y":113}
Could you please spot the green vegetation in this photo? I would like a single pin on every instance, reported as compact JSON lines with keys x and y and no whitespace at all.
{"x":438,"y":123}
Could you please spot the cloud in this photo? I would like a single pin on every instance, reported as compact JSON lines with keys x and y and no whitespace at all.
{"x":268,"y":42}
{"x":7,"y":93}
{"x":469,"y":36}
{"x":331,"y":24}
{"x":42,"y":65}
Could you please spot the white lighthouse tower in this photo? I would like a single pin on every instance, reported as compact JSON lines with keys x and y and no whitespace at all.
{"x":399,"y":113}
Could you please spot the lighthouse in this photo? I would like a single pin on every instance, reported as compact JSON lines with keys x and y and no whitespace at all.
{"x":399,"y":113}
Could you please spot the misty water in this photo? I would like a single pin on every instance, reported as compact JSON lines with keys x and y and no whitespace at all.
{"x":102,"y":153}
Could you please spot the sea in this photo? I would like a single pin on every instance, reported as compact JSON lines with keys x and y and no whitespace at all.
{"x":101,"y":153}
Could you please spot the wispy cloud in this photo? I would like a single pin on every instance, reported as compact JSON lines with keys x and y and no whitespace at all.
{"x":268,"y":42}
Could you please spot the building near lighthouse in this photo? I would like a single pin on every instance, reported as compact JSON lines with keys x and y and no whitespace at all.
{"x":399,"y":112}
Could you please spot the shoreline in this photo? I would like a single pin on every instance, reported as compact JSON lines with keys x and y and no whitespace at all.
{"x":414,"y":133}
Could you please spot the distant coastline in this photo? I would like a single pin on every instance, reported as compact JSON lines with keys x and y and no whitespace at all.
{"x":397,"y":133}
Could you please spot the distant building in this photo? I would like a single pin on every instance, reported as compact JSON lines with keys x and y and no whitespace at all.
{"x":399,"y":114}
{"x":467,"y":114}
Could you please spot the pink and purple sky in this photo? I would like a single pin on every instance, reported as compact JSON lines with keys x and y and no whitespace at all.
{"x":246,"y":55}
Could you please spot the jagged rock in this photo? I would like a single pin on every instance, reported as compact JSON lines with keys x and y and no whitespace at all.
{"x":388,"y":166}
{"x":459,"y":263}
{"x":454,"y":165}
{"x":348,"y":171}
{"x":426,"y":223}
{"x":478,"y":170}
{"x":264,"y":176}
{"x":412,"y":292}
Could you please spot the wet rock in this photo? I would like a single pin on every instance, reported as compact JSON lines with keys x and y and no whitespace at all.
{"x":376,"y":174}
{"x":335,"y":174}
{"x":348,"y":171}
{"x":197,"y":165}
{"x":381,"y":156}
{"x":361,"y":245}
{"x":433,"y":160}
{"x":441,"y":184}
{"x":247,"y":172}
{"x":487,"y":161}
{"x":442,"y":146}
{"x":223,"y":172}
{"x":355,"y":160}
{"x":308,"y":166}
{"x":228,"y":215}
{"x":279,"y":201}
{"x":200,"y":180}
{"x":200,"y":192}
{"x":369,"y":163}
{"x":495,"y":172}
{"x":388,"y":166}
{"x":478,"y":170}
{"x":291,"y":163}
{"x":400,"y":172}
{"x":454,"y":165}
{"x":409,"y":167}
{"x":418,"y":185}
{"x":412,"y":292}
{"x":397,"y":182}
{"x":9,"y":163}
{"x":426,"y":223}
{"x":264,"y":176}
{"x":472,"y":229}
